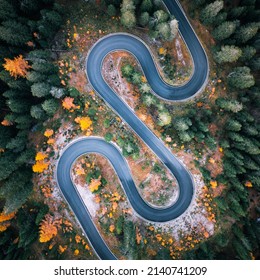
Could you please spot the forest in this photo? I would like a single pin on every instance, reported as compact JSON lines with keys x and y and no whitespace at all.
{"x":32,"y":91}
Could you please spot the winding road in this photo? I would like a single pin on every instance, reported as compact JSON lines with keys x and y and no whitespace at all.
{"x":127,"y":42}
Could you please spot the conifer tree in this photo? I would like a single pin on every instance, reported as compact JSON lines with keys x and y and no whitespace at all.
{"x":225,"y":30}
{"x":15,"y":33}
{"x":209,"y":13}
{"x":241,"y":78}
{"x":228,"y":54}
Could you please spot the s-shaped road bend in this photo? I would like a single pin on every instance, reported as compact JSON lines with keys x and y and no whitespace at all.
{"x":94,"y":61}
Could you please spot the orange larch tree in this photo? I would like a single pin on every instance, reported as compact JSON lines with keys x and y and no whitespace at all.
{"x":4,"y":220}
{"x":18,"y":67}
{"x":48,"y":228}
{"x":6,"y":123}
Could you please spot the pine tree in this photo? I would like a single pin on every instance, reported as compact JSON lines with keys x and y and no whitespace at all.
{"x":247,"y":53}
{"x":237,"y":12}
{"x":57,"y":92}
{"x":127,"y":70}
{"x":144,"y":19}
{"x":129,"y":238}
{"x":111,"y":10}
{"x":7,"y":10}
{"x":128,"y":19}
{"x":220,"y":18}
{"x":164,"y":30}
{"x":229,"y":105}
{"x":251,"y":164}
{"x":19,"y":142}
{"x":50,"y":106}
{"x":25,"y":157}
{"x":23,"y":121}
{"x":127,"y":5}
{"x":49,"y":24}
{"x":221,"y":239}
{"x":185,"y":136}
{"x":149,"y":99}
{"x":233,"y":125}
{"x":246,"y":32}
{"x":136,"y":78}
{"x":157,"y":3}
{"x":209,"y":13}
{"x":174,"y":25}
{"x":164,"y":118}
{"x":248,"y":146}
{"x":146,"y":6}
{"x":240,"y":250}
{"x":6,"y":132}
{"x":7,"y":165}
{"x":225,"y":30}
{"x":44,"y":67}
{"x":160,"y":16}
{"x":16,"y":190}
{"x":119,"y":225}
{"x":250,"y":130}
{"x":28,"y":231}
{"x":228,"y":54}
{"x":35,"y":77}
{"x":15,"y":33}
{"x":145,"y":88}
{"x":255,"y":64}
{"x":182,"y":123}
{"x":241,"y":78}
{"x":234,"y":204}
{"x":198,"y":3}
{"x":18,"y":105}
{"x":237,"y":137}
{"x":40,"y":89}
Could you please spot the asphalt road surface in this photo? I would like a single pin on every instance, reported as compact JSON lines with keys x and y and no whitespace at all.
{"x":127,"y":42}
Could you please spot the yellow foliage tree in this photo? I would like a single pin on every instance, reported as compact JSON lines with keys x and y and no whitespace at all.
{"x":40,"y":166}
{"x":95,"y":184}
{"x":40,"y":156}
{"x":162,"y":51}
{"x":111,"y":228}
{"x":48,"y":133}
{"x":48,"y":229}
{"x":248,"y":184}
{"x":77,"y":238}
{"x":50,"y":141}
{"x":84,"y":122}
{"x":76,"y":252}
{"x":62,"y":249}
{"x":213,"y":184}
{"x":18,"y":67}
{"x":80,"y":170}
